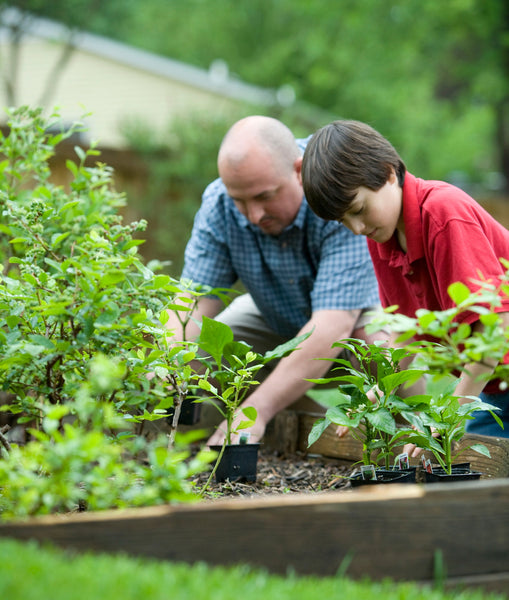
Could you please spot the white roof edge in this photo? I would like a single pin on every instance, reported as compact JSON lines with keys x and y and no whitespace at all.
{"x":142,"y":59}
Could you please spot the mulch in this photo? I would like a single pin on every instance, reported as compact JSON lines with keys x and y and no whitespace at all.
{"x":284,"y":474}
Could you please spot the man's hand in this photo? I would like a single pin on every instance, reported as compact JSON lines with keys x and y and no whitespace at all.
{"x":256,"y":432}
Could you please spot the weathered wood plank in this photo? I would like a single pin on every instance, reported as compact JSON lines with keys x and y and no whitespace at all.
{"x":497,"y":465}
{"x":392,"y":531}
{"x":282,"y":433}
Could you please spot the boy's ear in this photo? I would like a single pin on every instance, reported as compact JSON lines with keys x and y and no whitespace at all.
{"x":393,"y":178}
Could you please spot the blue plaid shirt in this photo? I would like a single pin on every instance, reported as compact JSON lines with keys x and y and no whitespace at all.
{"x":312,"y":265}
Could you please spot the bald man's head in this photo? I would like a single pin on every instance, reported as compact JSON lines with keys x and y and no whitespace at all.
{"x":253,"y":135}
{"x":259,"y":162}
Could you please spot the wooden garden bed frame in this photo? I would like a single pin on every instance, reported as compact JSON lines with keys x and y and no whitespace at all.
{"x":404,"y":532}
{"x":410,"y":532}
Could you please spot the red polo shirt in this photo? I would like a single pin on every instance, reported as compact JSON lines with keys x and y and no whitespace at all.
{"x":450,"y":238}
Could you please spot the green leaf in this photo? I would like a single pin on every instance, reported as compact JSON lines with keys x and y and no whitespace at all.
{"x":490,"y":319}
{"x":250,"y":412}
{"x":57,"y":238}
{"x":383,"y":420}
{"x":161,"y":281}
{"x":112,"y":278}
{"x":42,"y":341}
{"x":12,"y":320}
{"x":338,"y":416}
{"x":394,"y":380}
{"x":213,"y":337}
{"x":317,"y":430}
{"x":285,"y":349}
{"x":328,"y":397}
{"x":458,"y":292}
{"x":481,"y":449}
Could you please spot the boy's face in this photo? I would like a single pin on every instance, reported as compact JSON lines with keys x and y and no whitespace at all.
{"x":378,"y":214}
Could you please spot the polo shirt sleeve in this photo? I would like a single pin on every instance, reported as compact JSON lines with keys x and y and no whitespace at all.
{"x":465,"y":247}
{"x":207,"y":258}
{"x":345,"y":278}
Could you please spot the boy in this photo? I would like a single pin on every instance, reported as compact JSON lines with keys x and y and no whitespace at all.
{"x":422,"y":235}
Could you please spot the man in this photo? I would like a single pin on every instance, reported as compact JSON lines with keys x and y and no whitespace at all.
{"x":301,"y":273}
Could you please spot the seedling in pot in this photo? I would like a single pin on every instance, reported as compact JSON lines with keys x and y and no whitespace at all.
{"x":367,"y":400}
{"x":443,"y":420}
{"x":231,"y":368}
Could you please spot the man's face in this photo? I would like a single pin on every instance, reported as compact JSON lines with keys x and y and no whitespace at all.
{"x":376,"y":214}
{"x":267,"y":198}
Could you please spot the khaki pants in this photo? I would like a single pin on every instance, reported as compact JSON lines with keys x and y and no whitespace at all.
{"x":248,"y":325}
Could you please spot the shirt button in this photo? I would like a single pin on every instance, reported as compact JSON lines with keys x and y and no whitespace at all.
{"x":291,"y":281}
{"x":410,"y":272}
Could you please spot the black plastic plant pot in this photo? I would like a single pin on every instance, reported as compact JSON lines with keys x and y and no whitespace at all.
{"x":385,"y":476}
{"x":459,"y":472}
{"x":189,"y":412}
{"x":238,"y":462}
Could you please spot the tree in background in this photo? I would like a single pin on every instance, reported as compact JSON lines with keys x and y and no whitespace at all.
{"x":432,"y":76}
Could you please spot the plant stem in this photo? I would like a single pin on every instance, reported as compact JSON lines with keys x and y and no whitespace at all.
{"x":3,"y":440}
{"x":177,"y":407}
{"x":213,"y":472}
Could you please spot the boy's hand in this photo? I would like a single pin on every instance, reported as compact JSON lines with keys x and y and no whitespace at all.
{"x":342,"y":430}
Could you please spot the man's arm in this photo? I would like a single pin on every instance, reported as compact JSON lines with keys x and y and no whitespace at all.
{"x":286,"y":383}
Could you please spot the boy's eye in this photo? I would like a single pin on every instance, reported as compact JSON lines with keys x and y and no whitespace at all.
{"x":358,"y":211}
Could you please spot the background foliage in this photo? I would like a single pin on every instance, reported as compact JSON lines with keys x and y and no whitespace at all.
{"x":431,"y":76}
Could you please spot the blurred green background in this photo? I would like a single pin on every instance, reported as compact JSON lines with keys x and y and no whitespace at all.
{"x":431,"y":75}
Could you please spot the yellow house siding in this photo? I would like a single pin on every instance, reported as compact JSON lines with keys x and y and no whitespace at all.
{"x":109,"y":90}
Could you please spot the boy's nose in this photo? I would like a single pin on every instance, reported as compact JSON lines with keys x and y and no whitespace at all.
{"x":357,"y":226}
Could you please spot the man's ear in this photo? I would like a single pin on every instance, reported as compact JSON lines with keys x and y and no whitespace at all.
{"x":297,"y":165}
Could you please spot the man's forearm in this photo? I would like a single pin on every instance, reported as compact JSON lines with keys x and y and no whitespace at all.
{"x":287,"y":382}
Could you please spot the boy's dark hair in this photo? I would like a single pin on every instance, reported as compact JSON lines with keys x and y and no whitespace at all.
{"x":340,"y":158}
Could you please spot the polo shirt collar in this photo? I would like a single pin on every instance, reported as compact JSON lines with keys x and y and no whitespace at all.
{"x":412,"y":218}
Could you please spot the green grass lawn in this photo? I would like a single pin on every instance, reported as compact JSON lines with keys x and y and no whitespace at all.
{"x":31,"y":572}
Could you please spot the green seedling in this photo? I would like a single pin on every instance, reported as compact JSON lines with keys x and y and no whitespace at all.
{"x":231,"y":369}
{"x":442,"y":421}
{"x":367,"y":399}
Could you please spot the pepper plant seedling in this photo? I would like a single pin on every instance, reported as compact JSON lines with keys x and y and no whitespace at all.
{"x":231,"y":367}
{"x":441,"y":423}
{"x":366,"y":399}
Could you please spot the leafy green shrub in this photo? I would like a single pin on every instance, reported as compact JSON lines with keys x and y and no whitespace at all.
{"x":74,"y":284}
{"x":74,"y":295}
{"x":86,"y":464}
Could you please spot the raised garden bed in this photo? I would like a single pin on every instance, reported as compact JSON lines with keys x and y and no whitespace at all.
{"x":401,"y":532}
{"x":302,"y":514}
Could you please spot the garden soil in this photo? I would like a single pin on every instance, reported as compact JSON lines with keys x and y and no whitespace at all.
{"x":285,"y":474}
